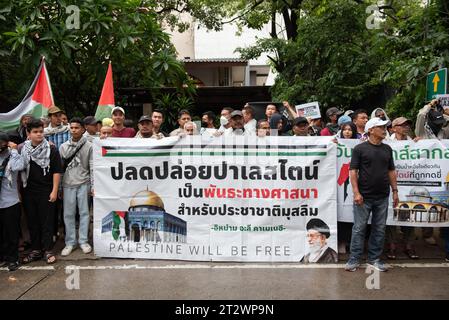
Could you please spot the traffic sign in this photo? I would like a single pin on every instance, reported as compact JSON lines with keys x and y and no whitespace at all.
{"x":436,"y":83}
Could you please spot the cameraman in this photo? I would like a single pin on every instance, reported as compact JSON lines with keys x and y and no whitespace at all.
{"x":431,"y":123}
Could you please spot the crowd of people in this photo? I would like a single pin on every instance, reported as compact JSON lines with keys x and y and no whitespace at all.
{"x":46,"y":171}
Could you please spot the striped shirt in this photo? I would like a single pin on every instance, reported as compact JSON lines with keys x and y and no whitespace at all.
{"x":59,"y":138}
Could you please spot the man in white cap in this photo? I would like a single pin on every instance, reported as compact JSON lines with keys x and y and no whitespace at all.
{"x":119,"y":130}
{"x":372,"y":172}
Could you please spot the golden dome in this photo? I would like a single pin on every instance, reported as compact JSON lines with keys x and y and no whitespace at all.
{"x":146,"y":198}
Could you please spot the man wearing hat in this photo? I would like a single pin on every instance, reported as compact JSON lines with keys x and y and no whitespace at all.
{"x":56,"y":132}
{"x":119,"y":130}
{"x":145,"y":128}
{"x":236,"y":124}
{"x":372,"y":172}
{"x":319,"y":252}
{"x":90,"y":124}
{"x":401,"y":130}
{"x":10,"y":165}
{"x":332,"y":127}
{"x":300,"y":127}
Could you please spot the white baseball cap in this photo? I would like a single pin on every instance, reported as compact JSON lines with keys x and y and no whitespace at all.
{"x":375,"y":122}
{"x":117,"y":108}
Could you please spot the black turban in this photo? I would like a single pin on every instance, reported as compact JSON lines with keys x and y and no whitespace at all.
{"x":320,"y":226}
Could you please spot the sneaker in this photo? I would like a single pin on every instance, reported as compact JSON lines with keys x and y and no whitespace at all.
{"x":430,"y":240}
{"x":13,"y":266}
{"x":67,"y":250}
{"x":352,"y":265}
{"x":378,"y":265}
{"x":86,"y":248}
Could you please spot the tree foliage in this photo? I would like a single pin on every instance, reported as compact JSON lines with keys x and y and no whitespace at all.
{"x":109,"y":30}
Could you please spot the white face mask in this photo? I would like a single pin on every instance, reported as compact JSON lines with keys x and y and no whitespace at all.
{"x":223,"y":120}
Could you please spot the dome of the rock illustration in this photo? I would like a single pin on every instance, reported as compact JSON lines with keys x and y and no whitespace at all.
{"x":146,"y":198}
{"x":420,"y":192}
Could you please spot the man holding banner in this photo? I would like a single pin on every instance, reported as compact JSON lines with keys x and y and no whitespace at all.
{"x":372,"y":171}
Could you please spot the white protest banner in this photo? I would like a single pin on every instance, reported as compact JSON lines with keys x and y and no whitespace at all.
{"x":422,"y":170}
{"x":236,"y":199}
{"x":309,"y":110}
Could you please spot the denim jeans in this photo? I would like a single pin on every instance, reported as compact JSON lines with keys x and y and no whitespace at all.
{"x":72,"y":197}
{"x":379,"y":211}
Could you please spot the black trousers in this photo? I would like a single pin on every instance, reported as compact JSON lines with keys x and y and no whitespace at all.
{"x":41,"y":219}
{"x":10,"y":232}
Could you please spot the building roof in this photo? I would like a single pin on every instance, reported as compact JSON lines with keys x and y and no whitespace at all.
{"x":215,"y":60}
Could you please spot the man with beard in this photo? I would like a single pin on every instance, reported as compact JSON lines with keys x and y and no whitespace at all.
{"x":317,"y":234}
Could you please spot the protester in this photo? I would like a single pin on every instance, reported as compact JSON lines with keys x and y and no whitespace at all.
{"x":315,"y":127}
{"x":10,"y":165}
{"x":56,"y":132}
{"x":332,"y":126}
{"x":119,"y":130}
{"x":300,"y":127}
{"x":183,"y":118}
{"x":248,"y":117}
{"x":45,"y":121}
{"x":77,"y":157}
{"x":90,"y":124}
{"x":145,"y":128}
{"x":207,"y":122}
{"x":278,"y":125}
{"x":105,"y":132}
{"x":270,"y":110}
{"x":19,"y":135}
{"x":431,"y":123}
{"x":401,"y":129}
{"x":348,"y":130}
{"x":157,"y":117}
{"x":190,"y":128}
{"x":360,"y":118}
{"x":263,"y":128}
{"x":372,"y":172}
{"x":64,"y":119}
{"x":225,"y":124}
{"x":40,"y":181}
{"x":236,"y":125}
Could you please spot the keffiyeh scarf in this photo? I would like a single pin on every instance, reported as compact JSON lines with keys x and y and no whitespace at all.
{"x":73,"y":146}
{"x":40,"y":155}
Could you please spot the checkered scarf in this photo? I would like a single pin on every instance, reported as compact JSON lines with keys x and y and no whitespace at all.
{"x":8,"y":173}
{"x":40,"y":155}
{"x":72,"y":146}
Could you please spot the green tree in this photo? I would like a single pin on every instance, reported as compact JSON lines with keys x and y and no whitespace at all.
{"x":110,"y":30}
{"x":417,"y":43}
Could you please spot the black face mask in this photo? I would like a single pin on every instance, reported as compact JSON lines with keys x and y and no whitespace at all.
{"x":204,"y":124}
{"x":383,"y":118}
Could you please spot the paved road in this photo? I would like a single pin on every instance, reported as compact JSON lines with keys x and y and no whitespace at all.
{"x":145,"y":279}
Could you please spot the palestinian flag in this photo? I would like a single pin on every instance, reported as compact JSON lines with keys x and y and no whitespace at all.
{"x":107,"y":101}
{"x":36,"y":102}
